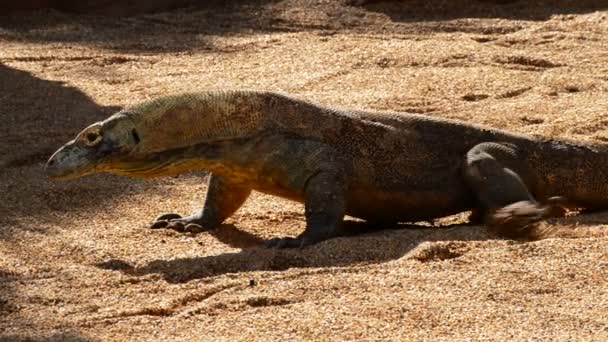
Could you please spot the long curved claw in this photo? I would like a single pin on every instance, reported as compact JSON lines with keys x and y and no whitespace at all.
{"x":159,"y":224}
{"x":190,"y":224}
{"x":557,"y":206}
{"x":168,"y":217}
{"x":176,"y":225}
{"x":163,"y":220}
{"x":195,"y":228}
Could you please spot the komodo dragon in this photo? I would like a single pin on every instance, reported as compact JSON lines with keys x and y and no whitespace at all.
{"x":384,"y":168}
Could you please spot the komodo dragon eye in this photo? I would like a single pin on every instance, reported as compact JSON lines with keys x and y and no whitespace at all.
{"x":91,"y":138}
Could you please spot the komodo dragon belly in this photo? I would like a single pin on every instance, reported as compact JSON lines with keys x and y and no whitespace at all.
{"x":408,"y":206}
{"x":400,"y":195}
{"x":392,"y":206}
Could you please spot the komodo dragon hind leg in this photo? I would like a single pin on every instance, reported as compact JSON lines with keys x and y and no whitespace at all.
{"x":325,"y":205}
{"x":494,"y":171}
{"x":222,"y":200}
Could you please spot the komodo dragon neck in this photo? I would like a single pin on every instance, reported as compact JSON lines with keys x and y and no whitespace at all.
{"x":222,"y":131}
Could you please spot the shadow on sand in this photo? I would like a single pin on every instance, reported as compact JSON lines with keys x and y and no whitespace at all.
{"x":359,"y":243}
{"x":420,"y":10}
{"x":193,"y":28}
{"x":185,"y":29}
{"x":363,"y":244}
{"x":37,"y":116}
{"x":57,"y":337}
{"x":9,"y":314}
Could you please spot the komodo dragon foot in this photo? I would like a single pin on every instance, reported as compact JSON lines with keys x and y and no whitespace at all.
{"x":519,"y":219}
{"x":501,"y":181}
{"x":192,"y":224}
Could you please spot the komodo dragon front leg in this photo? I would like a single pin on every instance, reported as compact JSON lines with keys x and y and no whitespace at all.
{"x":303,"y":170}
{"x":498,"y":176}
{"x":222,"y":200}
{"x":324,"y":200}
{"x":324,"y":208}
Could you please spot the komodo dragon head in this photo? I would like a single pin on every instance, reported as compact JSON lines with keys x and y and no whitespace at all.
{"x":100,"y":147}
{"x":160,"y":137}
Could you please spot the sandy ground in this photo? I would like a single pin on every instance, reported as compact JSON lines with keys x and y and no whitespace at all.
{"x":78,"y":263}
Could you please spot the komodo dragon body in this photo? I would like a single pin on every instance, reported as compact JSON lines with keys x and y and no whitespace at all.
{"x":381,"y":167}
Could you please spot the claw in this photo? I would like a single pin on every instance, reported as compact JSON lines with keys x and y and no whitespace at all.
{"x":159,"y":224}
{"x":556,"y":206}
{"x":168,"y":217}
{"x":176,"y":225}
{"x":194,"y":228}
{"x":179,"y":223}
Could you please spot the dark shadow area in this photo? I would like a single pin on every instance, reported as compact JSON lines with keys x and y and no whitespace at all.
{"x":37,"y":116}
{"x":105,"y":7}
{"x":8,"y":307}
{"x":99,"y":7}
{"x":190,"y":28}
{"x":10,"y":317}
{"x":184,"y":29}
{"x":364,"y":245}
{"x":230,"y":235}
{"x":57,"y":337}
{"x":420,"y":10}
{"x":359,"y":243}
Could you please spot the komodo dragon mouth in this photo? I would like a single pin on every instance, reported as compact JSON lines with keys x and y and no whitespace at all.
{"x":72,"y":161}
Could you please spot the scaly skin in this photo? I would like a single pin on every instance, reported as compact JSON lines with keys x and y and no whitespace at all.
{"x":380,"y":167}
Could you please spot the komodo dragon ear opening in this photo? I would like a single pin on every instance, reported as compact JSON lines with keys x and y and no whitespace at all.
{"x":135,"y":136}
